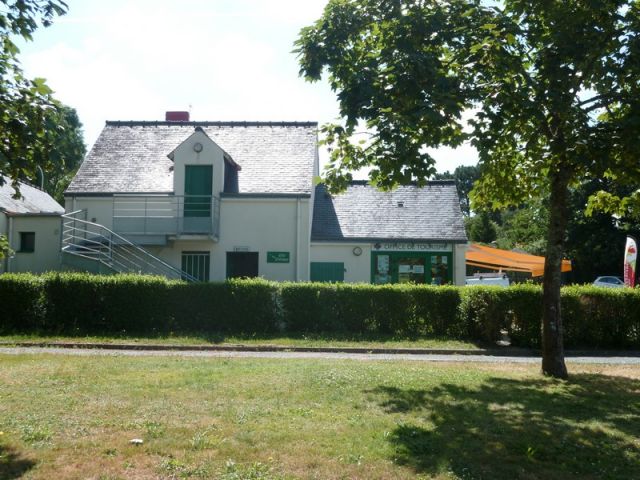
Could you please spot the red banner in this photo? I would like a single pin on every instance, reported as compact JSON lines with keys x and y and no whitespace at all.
{"x":630,"y":255}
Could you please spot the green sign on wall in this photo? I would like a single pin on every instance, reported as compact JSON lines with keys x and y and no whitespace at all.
{"x":277,"y":257}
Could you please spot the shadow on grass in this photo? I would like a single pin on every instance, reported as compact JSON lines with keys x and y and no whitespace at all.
{"x":13,"y":464}
{"x":529,"y":429}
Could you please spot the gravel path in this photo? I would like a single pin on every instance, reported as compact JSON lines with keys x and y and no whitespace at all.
{"x":318,"y":355}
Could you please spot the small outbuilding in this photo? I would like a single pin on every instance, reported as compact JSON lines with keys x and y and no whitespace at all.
{"x":410,"y":234}
{"x":30,"y":221}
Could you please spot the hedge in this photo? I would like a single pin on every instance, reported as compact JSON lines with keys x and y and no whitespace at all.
{"x":21,"y":303}
{"x":76,"y":303}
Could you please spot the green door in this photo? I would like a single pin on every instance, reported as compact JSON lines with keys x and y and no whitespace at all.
{"x":327,"y":272}
{"x":198,"y":185}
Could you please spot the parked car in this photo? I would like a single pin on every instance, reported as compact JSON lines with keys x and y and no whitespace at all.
{"x":609,"y":282}
{"x":500,"y":280}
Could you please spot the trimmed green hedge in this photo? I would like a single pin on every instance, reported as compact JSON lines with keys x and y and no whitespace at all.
{"x":82,"y":304}
{"x":21,"y":303}
{"x":406,"y":310}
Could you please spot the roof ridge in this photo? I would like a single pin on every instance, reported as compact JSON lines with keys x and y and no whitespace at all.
{"x":160,"y":123}
{"x":413,"y":183}
{"x":26,"y":183}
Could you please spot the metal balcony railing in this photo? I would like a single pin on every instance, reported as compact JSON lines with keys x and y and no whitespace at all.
{"x":166,"y":214}
{"x":95,"y":242}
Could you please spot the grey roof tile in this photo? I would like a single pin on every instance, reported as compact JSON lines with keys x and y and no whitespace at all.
{"x":32,"y":201}
{"x":131,"y":157}
{"x":362,"y":212}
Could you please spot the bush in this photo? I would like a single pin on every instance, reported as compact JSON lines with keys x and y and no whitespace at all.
{"x":250,"y":306}
{"x":76,"y":303}
{"x":403,"y":310}
{"x":107,"y":304}
{"x":436,"y":311}
{"x":484,"y":312}
{"x":139,"y":304}
{"x":21,"y":303}
{"x":601,"y":318}
{"x":592,"y":317}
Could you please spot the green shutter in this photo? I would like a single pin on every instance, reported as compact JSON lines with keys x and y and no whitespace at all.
{"x":198,"y":188}
{"x":327,"y":272}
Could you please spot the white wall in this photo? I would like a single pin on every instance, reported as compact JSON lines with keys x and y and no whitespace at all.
{"x":99,"y":209}
{"x":46,"y":256}
{"x":459,"y":260}
{"x":260,"y":225}
{"x":266,"y":225}
{"x":357,"y":268}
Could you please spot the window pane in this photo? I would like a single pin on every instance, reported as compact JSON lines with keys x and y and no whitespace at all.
{"x":439,"y":269}
{"x":411,"y":270}
{"x":196,"y":264}
{"x":27,"y":241}
{"x":382,"y":269}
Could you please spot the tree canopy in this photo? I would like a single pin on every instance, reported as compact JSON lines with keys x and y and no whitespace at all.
{"x":480,"y":228}
{"x":36,"y":129}
{"x":465,"y":177}
{"x":553,"y":85}
{"x":65,"y":152}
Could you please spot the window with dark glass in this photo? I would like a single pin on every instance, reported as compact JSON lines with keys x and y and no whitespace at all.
{"x":196,"y":265}
{"x":27,"y":242}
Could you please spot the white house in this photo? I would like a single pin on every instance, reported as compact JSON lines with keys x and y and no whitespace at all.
{"x":214,"y":200}
{"x":31,"y":223}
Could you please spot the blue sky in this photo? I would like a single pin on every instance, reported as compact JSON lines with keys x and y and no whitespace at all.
{"x":220,"y":59}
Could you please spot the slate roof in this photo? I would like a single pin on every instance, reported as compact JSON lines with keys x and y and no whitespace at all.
{"x":33,"y":200}
{"x":131,"y":157}
{"x":364,"y":213}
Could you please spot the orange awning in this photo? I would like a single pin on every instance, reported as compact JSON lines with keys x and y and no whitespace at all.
{"x":505,"y":260}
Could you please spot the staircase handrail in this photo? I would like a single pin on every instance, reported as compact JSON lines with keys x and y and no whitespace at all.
{"x":139,"y":253}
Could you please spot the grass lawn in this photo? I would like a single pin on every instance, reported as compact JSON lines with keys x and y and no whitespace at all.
{"x":290,"y":340}
{"x":64,"y":417}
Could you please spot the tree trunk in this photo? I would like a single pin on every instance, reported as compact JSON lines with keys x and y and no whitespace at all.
{"x":552,"y":346}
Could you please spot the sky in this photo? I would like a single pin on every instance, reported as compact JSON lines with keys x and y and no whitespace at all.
{"x":218,"y":59}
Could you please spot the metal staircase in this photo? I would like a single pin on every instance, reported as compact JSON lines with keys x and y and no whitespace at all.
{"x":91,"y":246}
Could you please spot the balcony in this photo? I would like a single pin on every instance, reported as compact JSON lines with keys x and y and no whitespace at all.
{"x":166,"y":215}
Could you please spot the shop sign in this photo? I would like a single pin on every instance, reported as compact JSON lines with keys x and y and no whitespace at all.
{"x":411,"y":247}
{"x":277,"y":257}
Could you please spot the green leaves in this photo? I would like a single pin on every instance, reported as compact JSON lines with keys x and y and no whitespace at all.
{"x":40,"y":87}
{"x":391,"y":66}
{"x":607,"y":202}
{"x":554,"y":86}
{"x":30,"y":118}
{"x":406,"y":71}
{"x":4,"y":247}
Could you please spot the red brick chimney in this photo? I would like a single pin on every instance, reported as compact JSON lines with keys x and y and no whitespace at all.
{"x":177,"y":116}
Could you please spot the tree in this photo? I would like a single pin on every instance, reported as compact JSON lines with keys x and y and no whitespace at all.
{"x":554,"y":84}
{"x":32,"y":122}
{"x":524,"y":228}
{"x":465,"y":177}
{"x":480,"y":228}
{"x":65,"y":152}
{"x":595,"y":241}
{"x":4,"y":247}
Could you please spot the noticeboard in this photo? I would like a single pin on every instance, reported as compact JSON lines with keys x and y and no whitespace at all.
{"x":277,"y":257}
